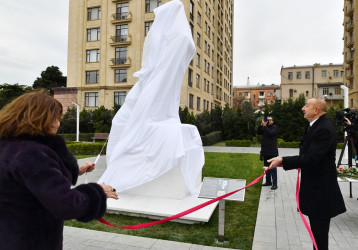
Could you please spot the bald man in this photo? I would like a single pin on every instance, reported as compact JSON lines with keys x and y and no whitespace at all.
{"x":320,"y":196}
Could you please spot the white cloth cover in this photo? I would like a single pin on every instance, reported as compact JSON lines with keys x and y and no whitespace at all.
{"x":147,"y":138}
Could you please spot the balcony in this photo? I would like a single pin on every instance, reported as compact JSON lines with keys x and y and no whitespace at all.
{"x":349,"y":25}
{"x":350,"y":58}
{"x":121,"y":40}
{"x":349,"y":9}
{"x":349,"y":75}
{"x":349,"y":42}
{"x":123,"y":62}
{"x":118,"y":18}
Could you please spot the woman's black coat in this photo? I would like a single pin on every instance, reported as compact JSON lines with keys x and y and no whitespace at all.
{"x":36,"y":174}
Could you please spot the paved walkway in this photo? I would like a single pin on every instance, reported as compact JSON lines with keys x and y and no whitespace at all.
{"x":278,"y":225}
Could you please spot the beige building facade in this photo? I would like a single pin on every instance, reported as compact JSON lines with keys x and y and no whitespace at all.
{"x":315,"y":80}
{"x":350,"y":38}
{"x":105,"y":45}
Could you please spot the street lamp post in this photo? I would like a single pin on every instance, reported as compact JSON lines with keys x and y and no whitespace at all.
{"x":77,"y":121}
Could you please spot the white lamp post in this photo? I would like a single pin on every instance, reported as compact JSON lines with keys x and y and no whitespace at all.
{"x":78,"y":122}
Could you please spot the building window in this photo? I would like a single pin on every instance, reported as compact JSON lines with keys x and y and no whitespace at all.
{"x":254,"y":97}
{"x":191,"y":11}
{"x":121,"y":33}
{"x":91,"y":99}
{"x":92,"y":55}
{"x":122,"y":11}
{"x":198,"y":38}
{"x":120,"y":75}
{"x":307,"y":74}
{"x":290,"y":75}
{"x":335,"y":73}
{"x":268,"y":101}
{"x":199,"y":19}
{"x":291,"y":92}
{"x":191,"y":101}
{"x":261,"y":94}
{"x":121,"y":55}
{"x":92,"y":76}
{"x":197,"y":80}
{"x":94,"y":13}
{"x":342,"y":73}
{"x":324,"y":73}
{"x":325,"y":91}
{"x":307,"y":93}
{"x":298,"y":75}
{"x":119,"y":97}
{"x":190,"y":78}
{"x":198,"y":60}
{"x":93,"y":34}
{"x":268,"y":93}
{"x":147,"y":26}
{"x":150,"y":5}
{"x":198,"y":103}
{"x":337,"y":90}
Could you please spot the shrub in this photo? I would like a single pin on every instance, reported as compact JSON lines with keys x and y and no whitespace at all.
{"x":80,"y":148}
{"x":283,"y":144}
{"x":72,"y":137}
{"x":211,"y":138}
{"x":238,"y":143}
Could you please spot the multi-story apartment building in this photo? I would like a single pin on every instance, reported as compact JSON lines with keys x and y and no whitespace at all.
{"x":105,"y":44}
{"x":257,"y":95}
{"x":313,"y":81}
{"x":350,"y":55}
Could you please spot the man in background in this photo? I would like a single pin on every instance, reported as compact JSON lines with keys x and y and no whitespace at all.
{"x":269,"y":132}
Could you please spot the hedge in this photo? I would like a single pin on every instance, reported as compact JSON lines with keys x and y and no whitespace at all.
{"x":238,"y":143}
{"x":83,"y":137}
{"x":84,"y":148}
{"x":211,"y":138}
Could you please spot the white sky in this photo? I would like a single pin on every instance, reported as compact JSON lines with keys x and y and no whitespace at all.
{"x":267,"y":35}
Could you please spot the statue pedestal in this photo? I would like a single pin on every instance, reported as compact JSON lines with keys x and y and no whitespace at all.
{"x":158,"y":199}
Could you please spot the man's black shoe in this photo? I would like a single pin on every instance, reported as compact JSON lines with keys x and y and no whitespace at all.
{"x":273,"y":187}
{"x":267,"y":184}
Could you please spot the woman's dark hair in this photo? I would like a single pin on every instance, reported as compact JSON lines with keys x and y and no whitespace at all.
{"x":32,"y":114}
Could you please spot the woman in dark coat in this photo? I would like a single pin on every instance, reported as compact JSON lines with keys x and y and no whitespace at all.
{"x":36,"y":173}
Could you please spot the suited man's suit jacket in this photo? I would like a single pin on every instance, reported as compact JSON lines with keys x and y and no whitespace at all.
{"x":320,"y":195}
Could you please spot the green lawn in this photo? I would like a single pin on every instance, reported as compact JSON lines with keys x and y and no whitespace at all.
{"x":240,"y":217}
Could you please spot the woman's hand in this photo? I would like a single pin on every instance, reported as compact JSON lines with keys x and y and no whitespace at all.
{"x":109,"y":191}
{"x":86,"y":167}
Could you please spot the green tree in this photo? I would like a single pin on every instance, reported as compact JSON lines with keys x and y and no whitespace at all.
{"x":203,"y":123}
{"x":8,"y":92}
{"x":247,"y":124}
{"x":217,"y":118}
{"x":52,"y":77}
{"x":68,"y":122}
{"x":87,"y":121}
{"x":103,"y":120}
{"x":288,"y":116}
{"x":231,"y":123}
{"x":186,"y":116}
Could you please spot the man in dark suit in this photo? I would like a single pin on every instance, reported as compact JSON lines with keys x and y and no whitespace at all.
{"x":320,"y":196}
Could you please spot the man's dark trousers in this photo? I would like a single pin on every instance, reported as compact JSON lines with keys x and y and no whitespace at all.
{"x":271,"y":173}
{"x":320,"y":230}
